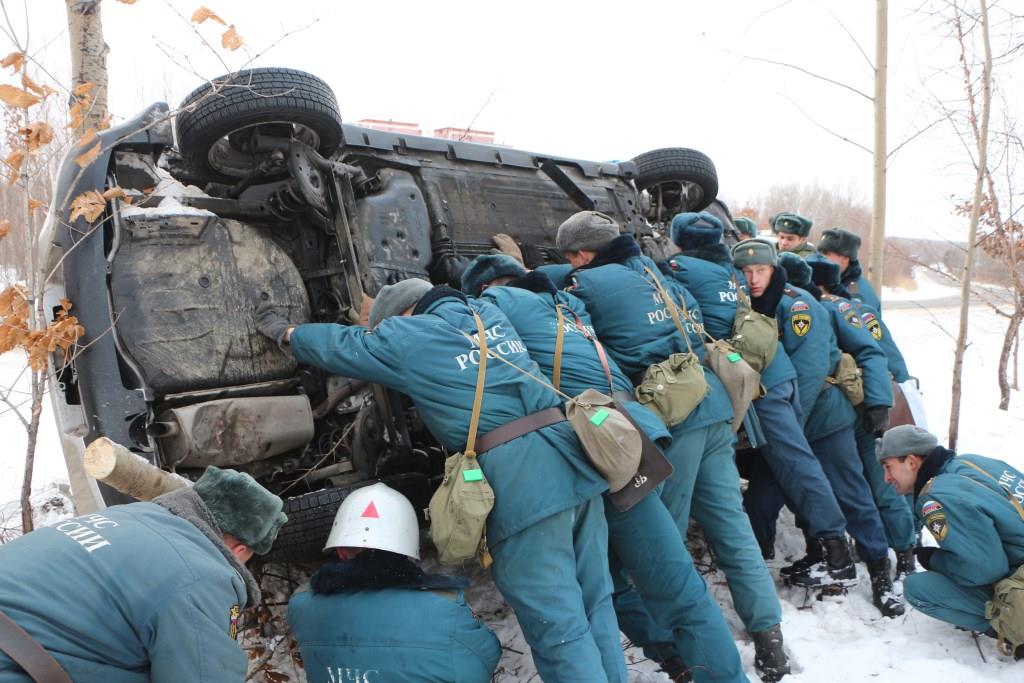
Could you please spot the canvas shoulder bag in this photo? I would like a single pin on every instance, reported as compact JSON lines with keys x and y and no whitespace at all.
{"x":653,"y":467}
{"x":674,"y":387}
{"x":460,"y":506}
{"x":754,"y":335}
{"x":848,"y":378}
{"x":1005,"y":611}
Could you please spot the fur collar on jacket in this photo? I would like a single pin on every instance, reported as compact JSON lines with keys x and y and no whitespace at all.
{"x":715,"y":253}
{"x":536,"y":282}
{"x":768,"y":302}
{"x":619,"y":250}
{"x":933,"y":462}
{"x":378,"y":569}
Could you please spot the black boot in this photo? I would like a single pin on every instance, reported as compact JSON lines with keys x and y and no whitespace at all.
{"x":770,"y":659}
{"x":835,"y":570}
{"x":814,"y":555}
{"x":905,"y":563}
{"x":674,"y":668}
{"x":887,"y":602}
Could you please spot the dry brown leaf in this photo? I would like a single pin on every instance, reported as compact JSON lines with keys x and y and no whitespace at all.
{"x":16,"y":97}
{"x":15,"y":60}
{"x":115,"y":192}
{"x":231,"y":40}
{"x":14,"y":161}
{"x":65,"y":305}
{"x":37,"y":134}
{"x":204,"y":13}
{"x":89,"y":205}
{"x":105,"y":122}
{"x":34,"y":204}
{"x":41,"y":90}
{"x":88,"y":157}
{"x":84,"y":88}
{"x":5,"y":228}
{"x":127,"y":2}
{"x":88,"y":137}
{"x":76,"y":113}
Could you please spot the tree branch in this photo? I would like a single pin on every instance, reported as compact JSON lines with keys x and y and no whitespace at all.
{"x":802,"y":70}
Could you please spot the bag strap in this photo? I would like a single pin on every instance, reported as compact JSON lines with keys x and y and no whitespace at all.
{"x":670,"y":303}
{"x":741,"y":295}
{"x":1013,"y":501}
{"x":536,"y":379}
{"x":27,"y":653}
{"x":478,"y":398}
{"x":556,"y":373}
{"x":598,"y":346}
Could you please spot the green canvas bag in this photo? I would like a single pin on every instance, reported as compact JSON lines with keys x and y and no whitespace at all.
{"x":674,"y":387}
{"x":755,"y":336}
{"x":459,"y":508}
{"x":848,"y":378}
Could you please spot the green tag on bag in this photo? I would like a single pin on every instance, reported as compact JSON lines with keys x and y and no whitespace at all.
{"x":599,"y":417}
{"x":734,"y":357}
{"x":473,"y":475}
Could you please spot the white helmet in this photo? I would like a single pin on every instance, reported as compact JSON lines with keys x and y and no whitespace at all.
{"x":376,"y":517}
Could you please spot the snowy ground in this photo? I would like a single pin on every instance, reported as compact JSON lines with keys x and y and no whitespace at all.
{"x":838,"y":640}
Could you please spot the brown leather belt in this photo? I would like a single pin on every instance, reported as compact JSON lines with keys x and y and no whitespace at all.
{"x":519,"y":427}
{"x":28,"y":654}
{"x":623,"y":396}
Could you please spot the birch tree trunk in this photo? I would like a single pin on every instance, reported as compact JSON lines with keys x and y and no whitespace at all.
{"x":880,"y":152}
{"x":981,"y":140}
{"x":88,"y":57}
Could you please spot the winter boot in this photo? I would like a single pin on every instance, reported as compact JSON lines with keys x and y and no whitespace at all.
{"x":815,"y":554}
{"x":885,"y":599}
{"x":905,"y":563}
{"x":676,"y":671}
{"x":835,"y":570}
{"x":770,"y":659}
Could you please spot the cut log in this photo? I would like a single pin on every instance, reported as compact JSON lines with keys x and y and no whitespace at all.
{"x":119,"y":468}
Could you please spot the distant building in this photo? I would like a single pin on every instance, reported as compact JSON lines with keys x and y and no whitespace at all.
{"x":390,"y":126}
{"x":465,"y":134}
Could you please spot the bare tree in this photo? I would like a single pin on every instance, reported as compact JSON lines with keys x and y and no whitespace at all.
{"x":979,"y":131}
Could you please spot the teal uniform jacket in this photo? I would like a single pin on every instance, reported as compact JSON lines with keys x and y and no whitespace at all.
{"x":872,"y":320}
{"x":713,"y":285}
{"x":859,"y":286}
{"x":129,"y":595}
{"x":980,"y":534}
{"x":396,"y":635}
{"x":534,"y":318}
{"x":428,"y":357}
{"x":810,"y":343}
{"x":632,"y":320}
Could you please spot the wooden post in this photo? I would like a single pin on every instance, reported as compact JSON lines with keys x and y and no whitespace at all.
{"x":118,"y":467}
{"x":880,"y":151}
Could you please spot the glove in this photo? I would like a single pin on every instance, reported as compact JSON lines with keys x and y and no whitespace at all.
{"x":875,"y":419}
{"x":924,"y":555}
{"x":507,"y":246}
{"x":271,"y":322}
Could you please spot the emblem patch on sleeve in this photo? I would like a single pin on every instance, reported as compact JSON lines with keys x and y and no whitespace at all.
{"x":873,"y":326}
{"x":799,"y":306}
{"x":852,"y":318}
{"x":801,"y":324}
{"x":935,"y":519}
{"x":235,"y":613}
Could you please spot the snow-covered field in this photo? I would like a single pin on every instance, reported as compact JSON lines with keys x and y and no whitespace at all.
{"x":837,"y":640}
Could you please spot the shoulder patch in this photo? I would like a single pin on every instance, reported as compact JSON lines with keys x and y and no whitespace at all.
{"x":851,"y":316}
{"x":673,"y":264}
{"x":573,"y":283}
{"x":799,"y":306}
{"x":873,"y":326}
{"x":935,"y":519}
{"x":801,"y":324}
{"x":234,"y":613}
{"x":844,"y":306}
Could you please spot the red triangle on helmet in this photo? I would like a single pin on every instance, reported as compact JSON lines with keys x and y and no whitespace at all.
{"x":370,"y":511}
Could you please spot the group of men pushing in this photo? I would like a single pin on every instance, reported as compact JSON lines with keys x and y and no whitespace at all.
{"x":576,"y":568}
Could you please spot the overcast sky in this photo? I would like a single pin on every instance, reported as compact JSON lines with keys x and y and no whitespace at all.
{"x":597,"y":80}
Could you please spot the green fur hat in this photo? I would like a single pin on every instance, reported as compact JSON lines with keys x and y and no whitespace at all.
{"x":487,"y":267}
{"x":840,"y":241}
{"x":242,"y":507}
{"x":754,"y":253}
{"x":791,"y":223}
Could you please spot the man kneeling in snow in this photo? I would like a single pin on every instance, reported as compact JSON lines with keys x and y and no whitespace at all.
{"x":139,"y":592}
{"x":972,"y":506}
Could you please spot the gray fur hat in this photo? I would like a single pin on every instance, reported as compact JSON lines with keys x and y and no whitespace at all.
{"x":395,"y":299}
{"x":840,"y":241}
{"x":587,"y":231}
{"x":754,"y":252}
{"x":905,"y":440}
{"x":242,"y":507}
{"x":487,"y":267}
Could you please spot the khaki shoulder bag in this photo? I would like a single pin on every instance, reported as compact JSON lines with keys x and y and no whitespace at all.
{"x":848,"y":378}
{"x":1005,"y":611}
{"x":754,"y":335}
{"x":651,"y":466}
{"x":460,"y":506}
{"x":674,"y":387}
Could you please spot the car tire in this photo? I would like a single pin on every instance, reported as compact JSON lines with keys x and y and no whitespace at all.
{"x":678,"y":164}
{"x":249,"y":98}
